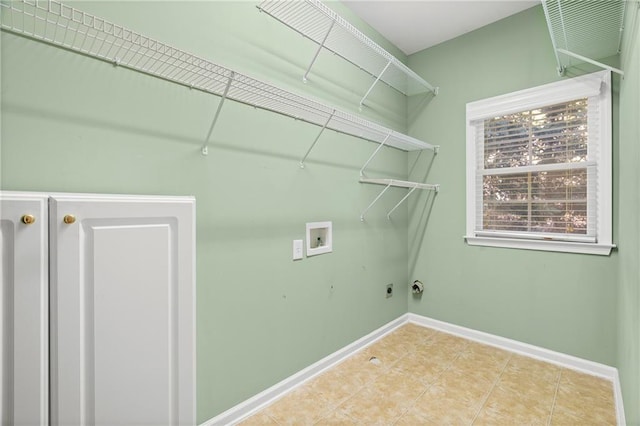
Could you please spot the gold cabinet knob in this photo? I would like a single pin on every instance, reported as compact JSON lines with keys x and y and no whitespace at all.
{"x":69,"y":219}
{"x":28,"y":219}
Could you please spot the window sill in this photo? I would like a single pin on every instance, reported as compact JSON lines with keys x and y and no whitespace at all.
{"x":557,"y":246}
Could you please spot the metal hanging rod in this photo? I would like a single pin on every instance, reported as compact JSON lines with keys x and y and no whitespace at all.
{"x":584,"y":31}
{"x":388,"y":183}
{"x":317,"y":22}
{"x":63,"y":26}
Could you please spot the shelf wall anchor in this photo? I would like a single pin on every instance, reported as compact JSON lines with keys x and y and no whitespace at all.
{"x":313,"y":61}
{"x":374,"y":83}
{"x":316,"y":139}
{"x":205,"y":147}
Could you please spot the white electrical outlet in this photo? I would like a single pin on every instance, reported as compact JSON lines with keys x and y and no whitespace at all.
{"x":297,"y":249}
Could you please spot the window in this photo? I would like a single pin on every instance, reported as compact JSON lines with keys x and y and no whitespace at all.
{"x":539,"y":167}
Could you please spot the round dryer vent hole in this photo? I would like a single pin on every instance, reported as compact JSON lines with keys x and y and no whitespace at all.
{"x":375,"y":361}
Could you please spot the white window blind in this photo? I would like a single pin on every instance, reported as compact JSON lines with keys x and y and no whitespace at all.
{"x":536,"y":169}
{"x":536,"y":175}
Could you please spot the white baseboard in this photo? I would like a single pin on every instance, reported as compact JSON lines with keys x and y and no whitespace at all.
{"x":254,"y":404}
{"x":557,"y":358}
{"x":251,"y":406}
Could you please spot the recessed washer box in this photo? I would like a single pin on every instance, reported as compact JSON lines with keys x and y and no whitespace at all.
{"x":319,"y":238}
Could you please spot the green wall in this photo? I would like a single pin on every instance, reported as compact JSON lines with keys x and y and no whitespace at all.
{"x":629,"y":240}
{"x":72,"y":123}
{"x":564,"y":302}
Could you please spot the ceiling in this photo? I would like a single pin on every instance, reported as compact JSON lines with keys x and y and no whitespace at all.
{"x":416,"y":25}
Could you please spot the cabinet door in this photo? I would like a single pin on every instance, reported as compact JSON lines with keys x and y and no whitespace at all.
{"x":122,"y":310}
{"x":23,"y":309}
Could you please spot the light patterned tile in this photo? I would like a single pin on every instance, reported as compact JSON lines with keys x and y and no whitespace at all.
{"x":259,"y":419}
{"x":415,"y":331}
{"x":388,"y":352}
{"x":506,"y":406}
{"x":485,"y":355}
{"x":412,"y":418}
{"x":452,"y":399}
{"x":529,"y":377}
{"x":532,"y":367}
{"x":444,"y":342}
{"x":334,"y":386}
{"x":441,"y":404}
{"x":584,"y":399}
{"x":370,"y":407}
{"x":478,"y":369}
{"x":409,"y":337}
{"x":400,"y":388}
{"x":300,"y":407}
{"x":360,"y":369}
{"x":335,"y":418}
{"x":426,"y":377}
{"x":586,"y":383}
{"x":425,"y":367}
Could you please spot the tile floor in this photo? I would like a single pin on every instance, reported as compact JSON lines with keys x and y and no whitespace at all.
{"x":421,"y":376}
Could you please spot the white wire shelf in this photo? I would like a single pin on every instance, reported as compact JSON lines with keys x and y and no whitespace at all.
{"x":319,"y":23}
{"x":585,"y":31}
{"x":60,"y":25}
{"x":389,"y":183}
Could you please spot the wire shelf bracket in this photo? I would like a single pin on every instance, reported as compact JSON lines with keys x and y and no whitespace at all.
{"x":316,"y":139}
{"x":392,"y":182}
{"x":71,"y":29}
{"x":205,"y":147}
{"x":315,"y":56}
{"x":434,"y":148}
{"x":583,"y":31}
{"x":374,"y":154}
{"x":317,"y":22}
{"x":388,"y":183}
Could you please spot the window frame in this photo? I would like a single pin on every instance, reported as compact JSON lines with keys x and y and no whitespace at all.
{"x":590,"y":85}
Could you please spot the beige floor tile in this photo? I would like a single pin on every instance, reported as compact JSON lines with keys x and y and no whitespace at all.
{"x":426,"y":377}
{"x":529,"y":377}
{"x":443,"y":342}
{"x":259,"y":419}
{"x":479,"y":368}
{"x":336,"y":417}
{"x":402,"y":388}
{"x":424,"y":367}
{"x":371,"y":407}
{"x":532,"y":367}
{"x":415,"y":331}
{"x":486,"y":355}
{"x":334,"y":387}
{"x":583,"y":399}
{"x":387,"y":351}
{"x":591,"y":385}
{"x":409,"y":337}
{"x":300,"y":407}
{"x":506,"y":406}
{"x":452,"y":399}
{"x":360,"y":369}
{"x":412,"y":418}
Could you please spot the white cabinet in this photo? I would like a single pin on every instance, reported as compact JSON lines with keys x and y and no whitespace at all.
{"x":122,"y":316}
{"x":24,"y":304}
